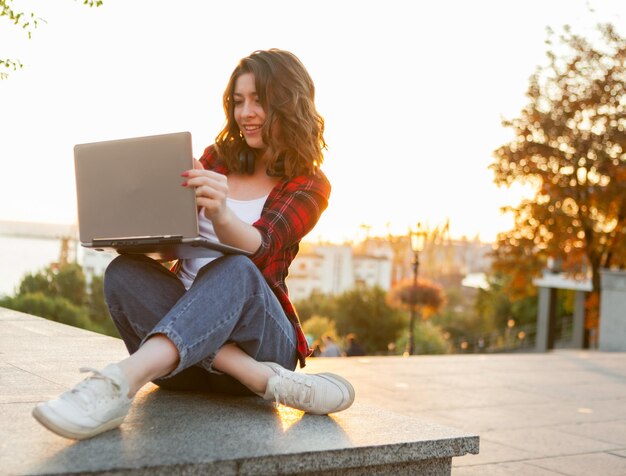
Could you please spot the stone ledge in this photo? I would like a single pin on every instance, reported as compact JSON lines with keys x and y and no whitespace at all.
{"x":172,"y":432}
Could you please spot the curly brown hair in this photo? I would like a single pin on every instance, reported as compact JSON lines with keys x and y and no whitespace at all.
{"x":293,"y":130}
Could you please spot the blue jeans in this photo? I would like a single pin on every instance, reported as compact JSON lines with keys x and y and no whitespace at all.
{"x":229,"y":302}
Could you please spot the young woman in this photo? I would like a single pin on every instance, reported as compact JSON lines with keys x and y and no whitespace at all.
{"x":224,"y":324}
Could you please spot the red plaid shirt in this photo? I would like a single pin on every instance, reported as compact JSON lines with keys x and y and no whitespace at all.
{"x":290,"y":212}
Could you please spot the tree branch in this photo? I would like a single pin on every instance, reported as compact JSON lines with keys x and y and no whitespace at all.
{"x":27,"y":22}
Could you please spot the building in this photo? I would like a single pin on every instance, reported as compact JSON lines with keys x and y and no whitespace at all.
{"x":335,"y":269}
{"x":94,"y":262}
{"x":384,"y":261}
{"x":305,"y":275}
{"x":371,"y":271}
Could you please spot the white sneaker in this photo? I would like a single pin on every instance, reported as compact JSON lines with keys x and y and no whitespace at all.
{"x":97,"y":404}
{"x":319,"y":394}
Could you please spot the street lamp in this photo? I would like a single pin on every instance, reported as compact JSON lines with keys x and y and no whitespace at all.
{"x":418,"y":240}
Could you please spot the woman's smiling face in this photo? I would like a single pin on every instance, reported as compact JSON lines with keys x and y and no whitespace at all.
{"x":249,"y":114}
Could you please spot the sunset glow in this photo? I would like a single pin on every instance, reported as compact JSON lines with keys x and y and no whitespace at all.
{"x":413,"y":95}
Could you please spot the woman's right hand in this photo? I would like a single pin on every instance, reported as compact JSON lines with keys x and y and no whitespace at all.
{"x":211,"y":193}
{"x":211,"y":190}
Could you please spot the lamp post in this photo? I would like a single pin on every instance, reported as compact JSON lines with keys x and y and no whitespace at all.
{"x":418,"y":239}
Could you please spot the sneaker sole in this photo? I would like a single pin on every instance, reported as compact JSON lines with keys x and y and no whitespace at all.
{"x":42,"y":418}
{"x":351,"y":393}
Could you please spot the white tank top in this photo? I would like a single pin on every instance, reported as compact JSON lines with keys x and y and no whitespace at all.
{"x":247,"y":211}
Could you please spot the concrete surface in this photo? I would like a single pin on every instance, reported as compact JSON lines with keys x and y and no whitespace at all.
{"x":549,"y":414}
{"x":173,"y":432}
{"x":557,"y":413}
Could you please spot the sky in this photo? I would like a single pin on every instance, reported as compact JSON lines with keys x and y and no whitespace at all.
{"x":413,"y":94}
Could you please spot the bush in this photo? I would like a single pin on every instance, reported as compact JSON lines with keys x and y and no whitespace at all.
{"x":54,"y":308}
{"x":317,"y":326}
{"x":429,"y":339}
{"x":62,"y":295}
{"x":366,"y":313}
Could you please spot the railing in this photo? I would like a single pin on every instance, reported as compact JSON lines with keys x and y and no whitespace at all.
{"x":513,"y":339}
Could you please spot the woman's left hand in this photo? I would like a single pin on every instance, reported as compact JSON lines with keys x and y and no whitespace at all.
{"x":211,"y":190}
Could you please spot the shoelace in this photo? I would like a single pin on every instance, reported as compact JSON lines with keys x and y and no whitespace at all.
{"x":94,"y":387}
{"x":293,"y":388}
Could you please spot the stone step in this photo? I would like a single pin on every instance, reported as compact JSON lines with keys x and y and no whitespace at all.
{"x":192,"y":433}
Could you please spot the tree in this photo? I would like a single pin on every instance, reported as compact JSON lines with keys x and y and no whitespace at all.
{"x":98,"y":309}
{"x":569,"y":143}
{"x":60,"y":293}
{"x":495,"y":308}
{"x":414,"y":295}
{"x":365,"y":312}
{"x":458,"y":317}
{"x":55,"y":308}
{"x":427,"y":295}
{"x":66,"y":281}
{"x":27,"y":22}
{"x":317,"y":304}
{"x":429,"y":340}
{"x":317,"y":326}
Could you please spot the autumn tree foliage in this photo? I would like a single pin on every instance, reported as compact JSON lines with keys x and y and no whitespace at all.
{"x":427,"y":295}
{"x":569,"y":142}
{"x":416,"y":295}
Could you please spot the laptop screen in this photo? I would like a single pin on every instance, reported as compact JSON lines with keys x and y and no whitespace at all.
{"x":131,"y":188}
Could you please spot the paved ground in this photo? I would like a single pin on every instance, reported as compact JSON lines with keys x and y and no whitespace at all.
{"x":561,"y":413}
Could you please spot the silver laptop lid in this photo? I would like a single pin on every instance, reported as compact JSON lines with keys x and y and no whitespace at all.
{"x":131,"y":188}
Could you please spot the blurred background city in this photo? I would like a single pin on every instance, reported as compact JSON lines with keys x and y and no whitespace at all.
{"x":476,"y":152}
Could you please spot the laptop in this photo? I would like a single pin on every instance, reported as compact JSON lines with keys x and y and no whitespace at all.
{"x":130,"y":199}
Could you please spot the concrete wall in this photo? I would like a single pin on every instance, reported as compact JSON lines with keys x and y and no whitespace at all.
{"x":613,"y":311}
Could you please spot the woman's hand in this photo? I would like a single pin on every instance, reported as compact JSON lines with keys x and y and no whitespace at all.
{"x":211,"y":193}
{"x":211,"y":190}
